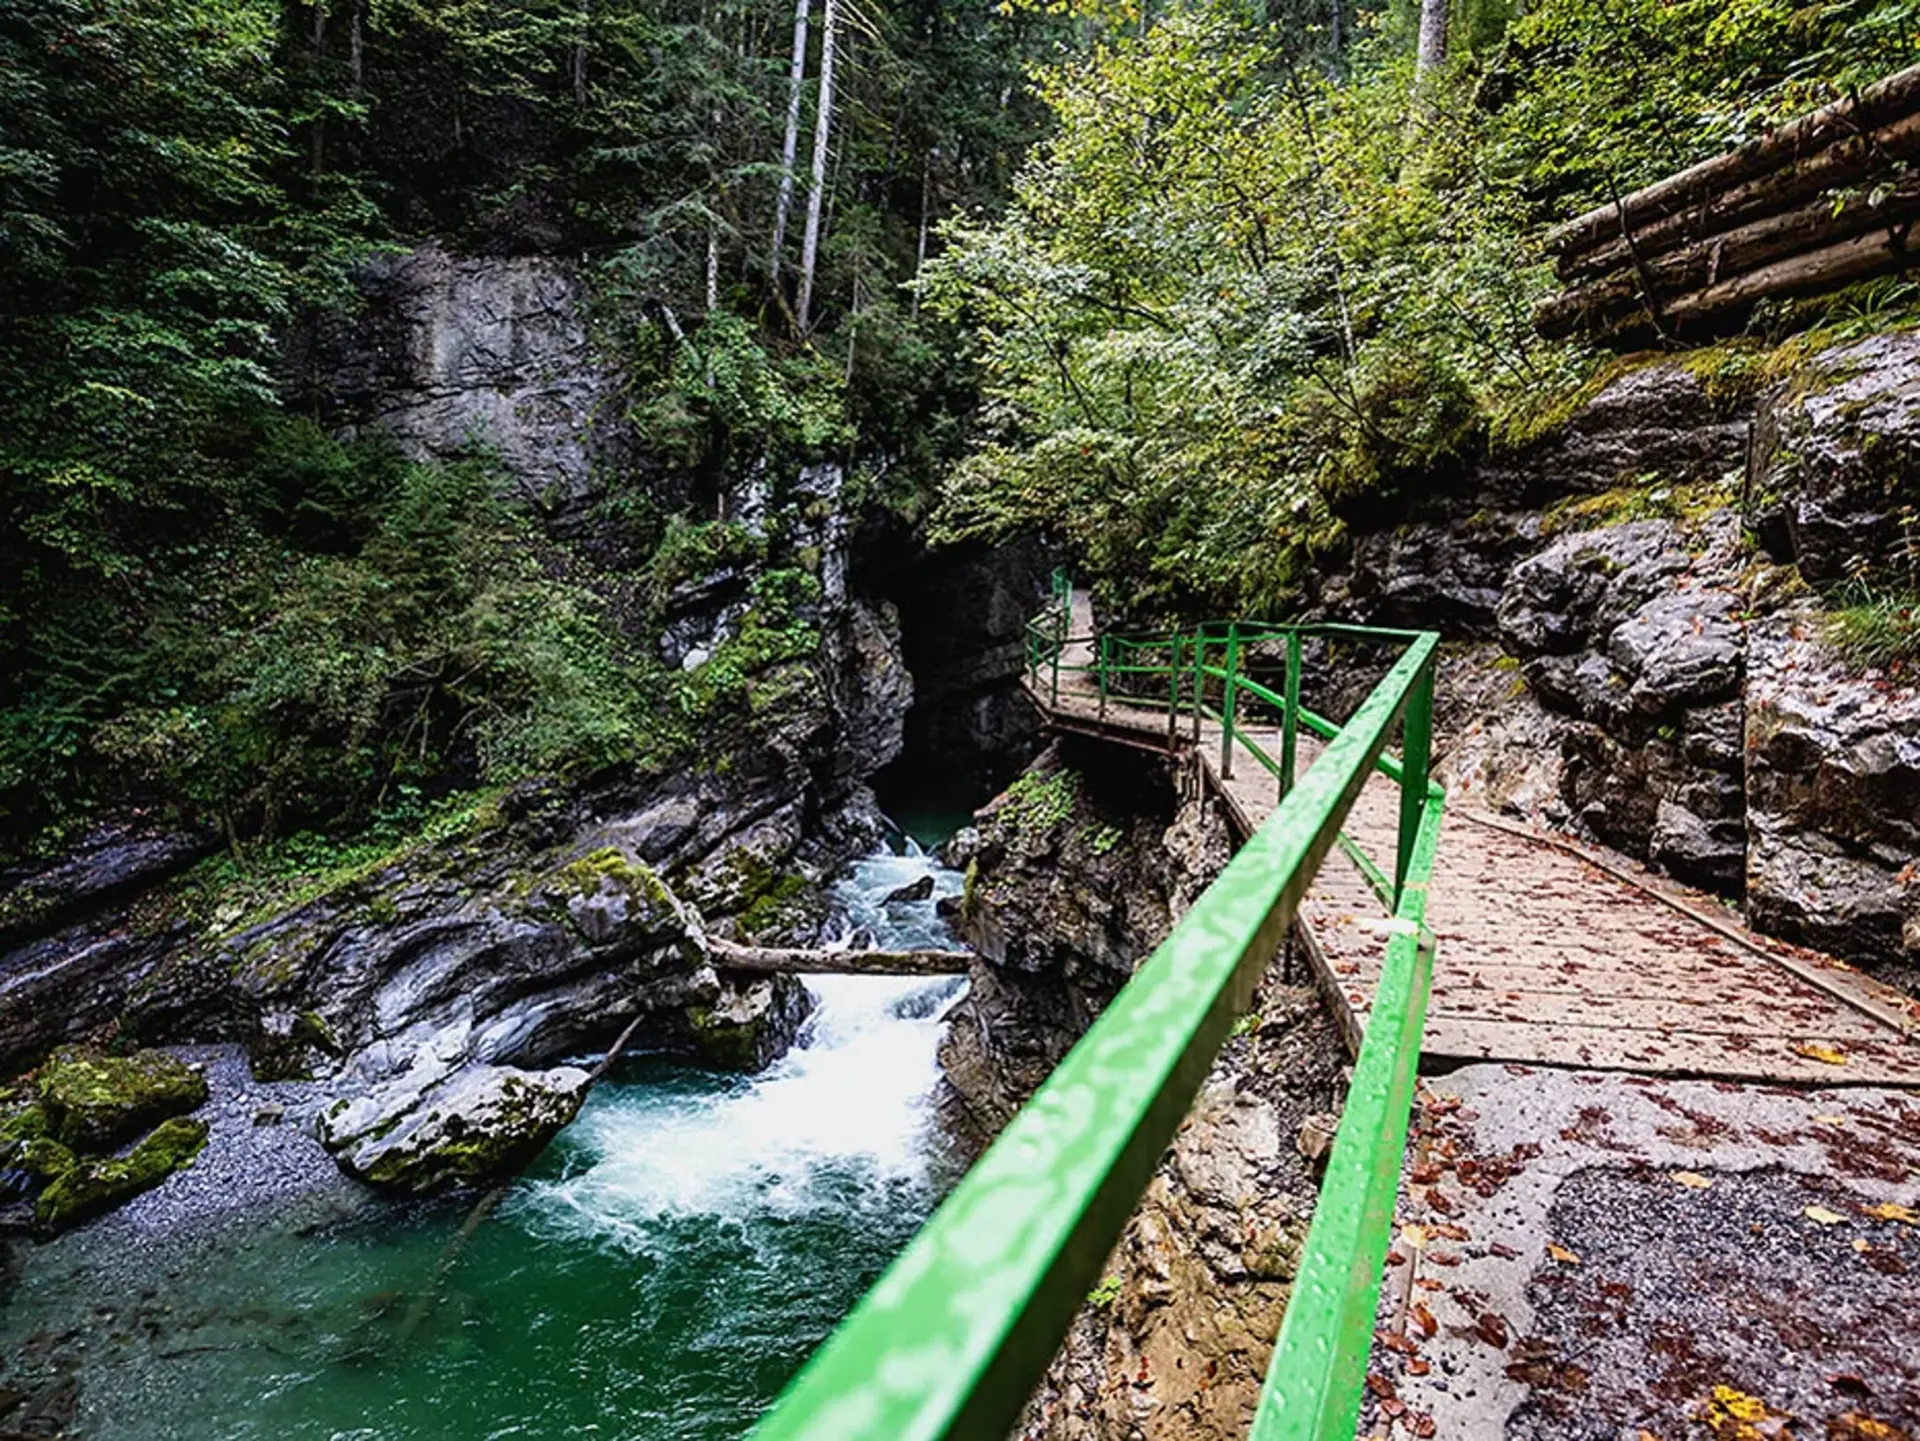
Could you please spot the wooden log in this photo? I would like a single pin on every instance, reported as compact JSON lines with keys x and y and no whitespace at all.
{"x":1716,"y":307}
{"x":1849,"y":260}
{"x":1845,"y":163}
{"x":732,"y":956}
{"x":1880,"y":103}
{"x":1724,"y":257}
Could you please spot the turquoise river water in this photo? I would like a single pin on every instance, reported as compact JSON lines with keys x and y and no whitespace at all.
{"x":657,"y":1276}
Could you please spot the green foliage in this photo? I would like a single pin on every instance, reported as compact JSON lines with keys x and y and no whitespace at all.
{"x":765,"y":662}
{"x":1038,"y":801}
{"x":1245,"y":294}
{"x":1877,"y":625}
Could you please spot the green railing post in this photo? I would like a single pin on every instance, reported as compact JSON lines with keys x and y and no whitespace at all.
{"x":1100,"y":670}
{"x":1227,"y":699}
{"x":1290,"y":715}
{"x":1199,"y":682}
{"x":1173,"y":690}
{"x":1416,"y":753}
{"x":1059,"y":645}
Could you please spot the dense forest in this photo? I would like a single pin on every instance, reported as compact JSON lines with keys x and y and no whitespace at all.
{"x":1182,"y":285}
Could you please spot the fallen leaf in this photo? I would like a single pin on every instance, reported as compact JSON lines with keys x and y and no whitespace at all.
{"x":1423,"y":1318}
{"x":1892,"y":1211}
{"x":1852,"y":1426}
{"x":1825,"y":1055}
{"x":1862,"y":1244}
{"x":1562,"y":1255}
{"x":1418,"y":1366}
{"x":1822,"y":1215}
{"x":1733,"y":1415}
{"x":1491,"y":1329}
{"x":1829,"y":1120}
{"x":1421,"y":1424}
{"x":1414,"y":1236}
{"x":1692,"y":1180}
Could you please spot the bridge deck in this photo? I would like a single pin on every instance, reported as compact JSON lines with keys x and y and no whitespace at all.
{"x":1548,"y":954}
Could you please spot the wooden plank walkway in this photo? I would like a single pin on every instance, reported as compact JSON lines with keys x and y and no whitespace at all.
{"x":1549,"y":953}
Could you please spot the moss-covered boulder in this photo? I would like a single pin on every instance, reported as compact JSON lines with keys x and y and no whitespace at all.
{"x":94,"y":1102}
{"x":747,"y":1027}
{"x":89,"y":1188}
{"x":479,"y":1124}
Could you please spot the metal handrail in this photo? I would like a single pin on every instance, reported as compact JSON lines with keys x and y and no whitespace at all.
{"x":949,"y":1343}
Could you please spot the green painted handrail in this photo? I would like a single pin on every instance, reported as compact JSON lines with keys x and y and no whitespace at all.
{"x":948,"y":1344}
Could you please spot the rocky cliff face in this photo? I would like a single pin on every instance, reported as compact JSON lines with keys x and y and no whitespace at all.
{"x":1077,"y":872}
{"x":1663,"y":680}
{"x":442,"y":984}
{"x":450,"y":352}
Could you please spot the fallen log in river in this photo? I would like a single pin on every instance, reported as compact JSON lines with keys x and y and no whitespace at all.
{"x":733,"y":956}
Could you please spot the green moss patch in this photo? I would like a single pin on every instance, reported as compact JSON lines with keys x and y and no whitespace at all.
{"x":93,"y":1187}
{"x":93,"y":1102}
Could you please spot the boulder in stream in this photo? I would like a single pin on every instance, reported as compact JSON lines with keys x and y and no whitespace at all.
{"x":423,"y":1131}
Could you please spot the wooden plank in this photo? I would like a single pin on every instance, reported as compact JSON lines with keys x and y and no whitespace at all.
{"x":1680,"y":1053}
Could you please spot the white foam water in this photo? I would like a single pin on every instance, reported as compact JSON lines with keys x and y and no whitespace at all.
{"x":844,"y":1119}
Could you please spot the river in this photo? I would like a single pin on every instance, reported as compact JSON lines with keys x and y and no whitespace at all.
{"x":656,"y":1276}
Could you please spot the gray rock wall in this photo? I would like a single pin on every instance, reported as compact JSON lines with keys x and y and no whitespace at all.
{"x":456,"y":352}
{"x":1668,"y":686}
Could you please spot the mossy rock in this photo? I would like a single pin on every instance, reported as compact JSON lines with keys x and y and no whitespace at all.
{"x":94,"y":1102}
{"x":34,"y":1164}
{"x":91,"y":1188}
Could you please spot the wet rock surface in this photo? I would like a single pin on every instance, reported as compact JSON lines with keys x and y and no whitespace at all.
{"x":1077,"y":871}
{"x":1653,"y":568}
{"x":1833,"y":800}
{"x":424,"y":1131}
{"x":458,"y":350}
{"x":1678,"y":1309}
{"x":1836,"y":458}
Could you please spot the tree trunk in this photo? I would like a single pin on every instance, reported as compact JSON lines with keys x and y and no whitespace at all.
{"x":732,"y":956}
{"x":1716,"y":258}
{"x":1432,"y":51}
{"x":790,"y":142}
{"x":822,"y":137}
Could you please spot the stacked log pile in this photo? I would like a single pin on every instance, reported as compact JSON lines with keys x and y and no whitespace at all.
{"x":1824,"y":200}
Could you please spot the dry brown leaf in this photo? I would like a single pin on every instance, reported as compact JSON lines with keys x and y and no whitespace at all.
{"x":1692,"y":1180}
{"x":1423,"y":1319}
{"x":1562,"y":1255}
{"x":1852,"y":1426}
{"x":1822,"y":1215}
{"x":1825,"y":1055}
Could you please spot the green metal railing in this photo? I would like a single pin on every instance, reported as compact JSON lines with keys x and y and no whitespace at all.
{"x":951,"y":1340}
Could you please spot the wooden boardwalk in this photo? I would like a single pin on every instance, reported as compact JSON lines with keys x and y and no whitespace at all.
{"x":1549,"y":953}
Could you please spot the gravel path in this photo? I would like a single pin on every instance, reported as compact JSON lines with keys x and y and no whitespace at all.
{"x":1587,"y":1256}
